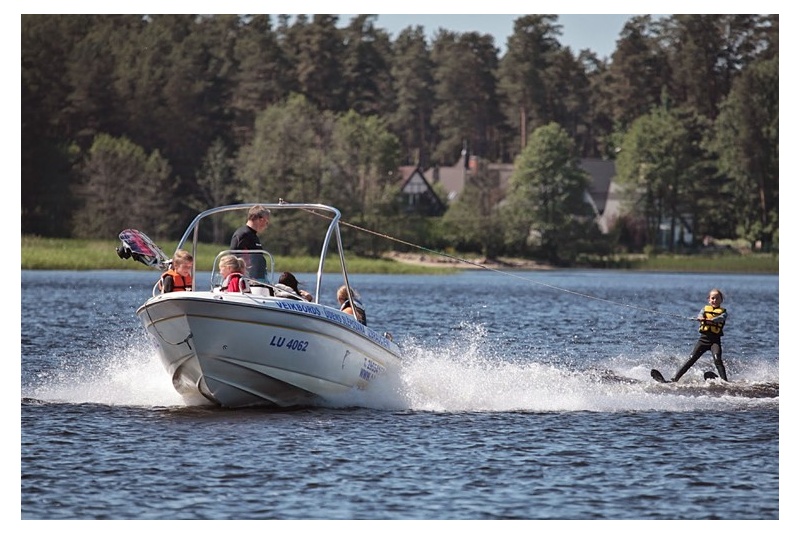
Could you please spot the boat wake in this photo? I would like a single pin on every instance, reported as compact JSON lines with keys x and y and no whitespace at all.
{"x":130,"y":376}
{"x":461,"y":375}
{"x":466,"y":375}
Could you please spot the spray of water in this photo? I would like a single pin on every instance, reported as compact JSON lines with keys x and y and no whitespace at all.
{"x":460,"y":374}
{"x":466,"y":375}
{"x":127,"y":373}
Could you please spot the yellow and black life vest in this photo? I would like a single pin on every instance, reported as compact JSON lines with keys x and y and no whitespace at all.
{"x":709,"y":312}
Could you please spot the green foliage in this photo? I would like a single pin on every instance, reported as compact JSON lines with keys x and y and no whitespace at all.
{"x":263,"y":77}
{"x":746,"y":140}
{"x":366,"y":67}
{"x":124,"y":188}
{"x":47,"y":193}
{"x":466,"y":93}
{"x":545,"y":204}
{"x":198,"y":92}
{"x":285,"y":156}
{"x":639,"y":71}
{"x":412,"y":70}
{"x":662,"y":168}
{"x":303,"y":155}
{"x":473,"y":222}
{"x":524,"y":74}
{"x":216,"y":186}
{"x":362,"y":159}
{"x":317,"y":52}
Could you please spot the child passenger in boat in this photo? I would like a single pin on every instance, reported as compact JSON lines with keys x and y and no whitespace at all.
{"x":347,"y":307}
{"x":232,"y":270}
{"x":179,"y":276}
{"x":290,"y":284}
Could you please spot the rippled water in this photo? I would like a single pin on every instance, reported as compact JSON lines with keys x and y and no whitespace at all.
{"x":523,"y":396}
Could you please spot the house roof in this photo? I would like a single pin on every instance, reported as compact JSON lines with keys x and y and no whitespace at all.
{"x":601,"y":172}
{"x":405,"y":172}
{"x":451,"y":178}
{"x":414,"y":183}
{"x":602,"y":192}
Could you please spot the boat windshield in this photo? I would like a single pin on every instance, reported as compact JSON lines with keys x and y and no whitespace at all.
{"x":259,"y":266}
{"x":325,"y":218}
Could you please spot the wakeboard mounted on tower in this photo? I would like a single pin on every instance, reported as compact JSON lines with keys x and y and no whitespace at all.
{"x":141,"y":248}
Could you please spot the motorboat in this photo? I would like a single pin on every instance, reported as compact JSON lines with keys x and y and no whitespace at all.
{"x":266,"y":347}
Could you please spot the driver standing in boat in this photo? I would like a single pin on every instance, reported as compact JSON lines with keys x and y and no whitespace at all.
{"x":246,"y":238}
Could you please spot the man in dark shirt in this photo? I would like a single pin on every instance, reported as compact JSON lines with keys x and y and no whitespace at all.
{"x":246,"y":238}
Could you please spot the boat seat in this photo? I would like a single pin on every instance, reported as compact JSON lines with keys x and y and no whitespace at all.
{"x":286,"y":292}
{"x":260,"y":288}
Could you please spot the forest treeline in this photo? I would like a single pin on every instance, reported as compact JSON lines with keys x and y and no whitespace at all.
{"x":141,"y":121}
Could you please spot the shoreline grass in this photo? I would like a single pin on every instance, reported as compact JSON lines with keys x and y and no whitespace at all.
{"x":44,"y":253}
{"x":57,"y":254}
{"x":721,"y":262}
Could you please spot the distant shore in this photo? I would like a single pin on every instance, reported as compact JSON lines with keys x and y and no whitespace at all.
{"x":39,"y":253}
{"x":440,"y":261}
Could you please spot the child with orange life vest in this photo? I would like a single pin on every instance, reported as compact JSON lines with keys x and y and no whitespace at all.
{"x":712,"y":320}
{"x":232,"y":270}
{"x":179,"y":276}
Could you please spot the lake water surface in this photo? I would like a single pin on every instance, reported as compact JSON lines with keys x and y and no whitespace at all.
{"x":523,"y":395}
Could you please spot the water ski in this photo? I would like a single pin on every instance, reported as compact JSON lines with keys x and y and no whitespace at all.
{"x":732,"y":389}
{"x":657,"y":376}
{"x":141,"y":248}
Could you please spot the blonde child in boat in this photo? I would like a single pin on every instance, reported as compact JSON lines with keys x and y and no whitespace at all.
{"x":345,"y":305}
{"x":232,"y":270}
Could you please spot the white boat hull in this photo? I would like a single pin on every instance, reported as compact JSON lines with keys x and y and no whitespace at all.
{"x":239,"y":350}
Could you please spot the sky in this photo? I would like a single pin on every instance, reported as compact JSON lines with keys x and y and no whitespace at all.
{"x":598,"y":33}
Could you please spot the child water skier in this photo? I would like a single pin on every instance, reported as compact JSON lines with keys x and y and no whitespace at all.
{"x":712,"y":320}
